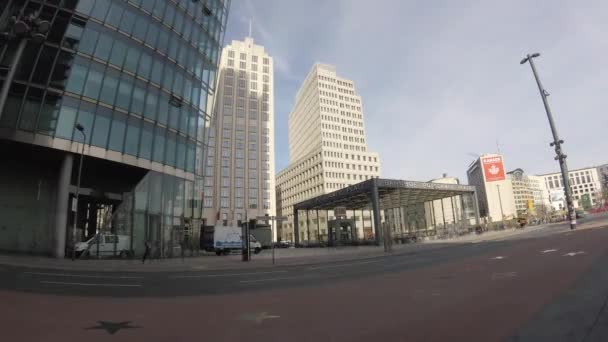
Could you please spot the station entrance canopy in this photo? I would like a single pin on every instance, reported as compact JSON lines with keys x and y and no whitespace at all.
{"x":378,"y":195}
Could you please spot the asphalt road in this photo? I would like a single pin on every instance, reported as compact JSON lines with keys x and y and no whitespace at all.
{"x":548,"y":284}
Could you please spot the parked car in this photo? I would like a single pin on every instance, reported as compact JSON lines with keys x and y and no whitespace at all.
{"x":109,"y":244}
{"x":282,"y":244}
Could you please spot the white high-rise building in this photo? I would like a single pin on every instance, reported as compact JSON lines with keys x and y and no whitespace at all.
{"x":327,"y":145}
{"x":239,"y":174}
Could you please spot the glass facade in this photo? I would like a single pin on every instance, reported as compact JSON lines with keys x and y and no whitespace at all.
{"x":139,"y":76}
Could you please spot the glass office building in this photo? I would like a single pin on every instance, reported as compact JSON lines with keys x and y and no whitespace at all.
{"x":139,"y":77}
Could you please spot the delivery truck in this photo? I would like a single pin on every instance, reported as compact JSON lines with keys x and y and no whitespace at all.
{"x":227,"y":239}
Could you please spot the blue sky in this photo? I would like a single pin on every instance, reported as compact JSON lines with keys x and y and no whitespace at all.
{"x":440,"y":80}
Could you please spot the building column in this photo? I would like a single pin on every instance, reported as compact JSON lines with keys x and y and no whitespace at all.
{"x":476,"y":204}
{"x":296,"y":227}
{"x":453,"y":214}
{"x":463,"y":215}
{"x":375,"y":197}
{"x":61,"y":206}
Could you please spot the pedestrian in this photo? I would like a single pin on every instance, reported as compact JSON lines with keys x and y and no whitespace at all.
{"x":146,"y":252}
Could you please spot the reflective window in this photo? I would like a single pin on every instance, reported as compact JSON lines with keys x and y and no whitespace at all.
{"x":132,"y":139}
{"x":174,"y":114}
{"x":152,"y":35}
{"x":132,"y":59}
{"x":73,"y":34}
{"x":93,"y":83}
{"x":151,"y":103}
{"x":88,"y":41}
{"x":181,"y":152}
{"x":124,"y":92}
{"x":159,"y":9}
{"x":163,"y":40}
{"x":65,"y":124}
{"x":145,"y":65}
{"x":85,"y":6}
{"x":86,"y":115}
{"x":101,"y":129}
{"x":170,"y":149}
{"x":139,"y":94}
{"x":119,"y":52}
{"x":117,"y":133}
{"x":159,"y":145}
{"x":145,"y":146}
{"x":141,"y":26}
{"x":77,"y":77}
{"x":110,"y":85}
{"x":100,"y":10}
{"x":48,"y":114}
{"x":127,"y":21}
{"x":157,"y":71}
{"x":163,"y":108}
{"x":148,"y":5}
{"x":114,"y":15}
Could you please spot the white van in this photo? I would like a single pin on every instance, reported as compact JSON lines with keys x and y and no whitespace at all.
{"x":226,"y":239}
{"x":108,"y":244}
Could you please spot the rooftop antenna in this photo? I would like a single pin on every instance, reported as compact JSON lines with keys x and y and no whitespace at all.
{"x":250,"y":28}
{"x":497,"y":146}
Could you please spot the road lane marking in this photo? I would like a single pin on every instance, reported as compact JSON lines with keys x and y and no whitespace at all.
{"x":223,"y":275}
{"x":273,"y":279}
{"x":574,"y":253}
{"x":503,"y":275}
{"x":82,"y":275}
{"x":88,"y":284}
{"x":498,"y":257}
{"x":549,"y":250}
{"x":344,"y":264}
{"x":258,"y":317}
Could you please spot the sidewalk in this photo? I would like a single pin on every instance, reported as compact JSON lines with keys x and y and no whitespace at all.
{"x":283,"y":257}
{"x":210,"y":262}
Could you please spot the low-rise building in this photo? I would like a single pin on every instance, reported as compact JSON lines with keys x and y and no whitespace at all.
{"x":529,"y":193}
{"x":584,"y":183}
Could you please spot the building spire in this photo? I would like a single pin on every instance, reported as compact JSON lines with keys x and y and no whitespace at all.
{"x":250,"y":28}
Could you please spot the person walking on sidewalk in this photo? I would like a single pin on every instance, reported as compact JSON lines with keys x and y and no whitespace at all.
{"x":146,"y":253}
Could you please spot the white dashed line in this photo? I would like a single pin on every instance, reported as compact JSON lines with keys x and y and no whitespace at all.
{"x":89,"y":284}
{"x":82,"y":275}
{"x":222,"y":275}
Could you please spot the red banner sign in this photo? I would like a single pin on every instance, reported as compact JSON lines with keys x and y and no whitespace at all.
{"x":493,"y":168}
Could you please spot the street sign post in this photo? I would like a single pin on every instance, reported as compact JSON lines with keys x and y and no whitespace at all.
{"x":272,"y":219}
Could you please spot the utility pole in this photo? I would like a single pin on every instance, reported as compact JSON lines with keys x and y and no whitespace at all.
{"x":557,"y":142}
{"x":502,"y":214}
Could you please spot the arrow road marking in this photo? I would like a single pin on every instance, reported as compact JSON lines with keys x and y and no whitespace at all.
{"x":549,"y":250}
{"x":574,"y":253}
{"x":258,"y":317}
{"x":113,"y":327}
{"x":498,"y":257}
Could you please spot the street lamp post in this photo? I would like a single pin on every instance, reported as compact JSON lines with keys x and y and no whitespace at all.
{"x":557,"y":142}
{"x":21,"y":28}
{"x":80,"y":128}
{"x":502,"y":214}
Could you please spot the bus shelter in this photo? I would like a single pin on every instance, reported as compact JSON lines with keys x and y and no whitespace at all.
{"x":386,"y":210}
